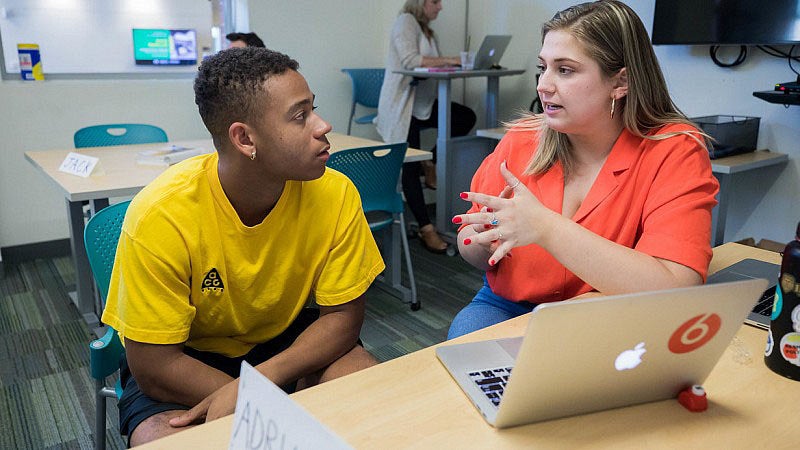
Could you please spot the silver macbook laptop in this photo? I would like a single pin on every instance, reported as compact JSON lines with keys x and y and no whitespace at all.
{"x":491,"y":51}
{"x":593,"y":354}
{"x":747,"y":269}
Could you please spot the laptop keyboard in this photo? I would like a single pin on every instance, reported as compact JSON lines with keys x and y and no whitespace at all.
{"x":492,"y":382}
{"x":764,"y":305}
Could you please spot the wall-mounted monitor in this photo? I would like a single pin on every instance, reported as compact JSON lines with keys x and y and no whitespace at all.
{"x":156,"y":47}
{"x":721,"y":22}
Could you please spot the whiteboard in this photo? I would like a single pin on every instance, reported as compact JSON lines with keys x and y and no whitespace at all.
{"x":95,"y":36}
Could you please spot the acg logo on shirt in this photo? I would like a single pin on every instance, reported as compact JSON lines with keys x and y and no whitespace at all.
{"x":212,"y":283}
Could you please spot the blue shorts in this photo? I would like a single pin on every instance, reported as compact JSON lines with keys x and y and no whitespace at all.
{"x":135,"y":406}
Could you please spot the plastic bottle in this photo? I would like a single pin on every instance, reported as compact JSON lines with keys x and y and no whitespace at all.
{"x":782,"y":354}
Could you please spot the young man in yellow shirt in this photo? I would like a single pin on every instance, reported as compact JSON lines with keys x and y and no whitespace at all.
{"x":219,"y":255}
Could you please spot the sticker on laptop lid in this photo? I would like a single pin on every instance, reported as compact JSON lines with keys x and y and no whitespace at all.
{"x":694,"y":333}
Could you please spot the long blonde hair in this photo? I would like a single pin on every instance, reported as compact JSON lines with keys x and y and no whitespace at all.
{"x":614,"y":37}
{"x":417,"y":9}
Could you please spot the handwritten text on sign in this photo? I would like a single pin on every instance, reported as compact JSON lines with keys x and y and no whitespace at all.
{"x":266,"y":418}
{"x":77,"y":164}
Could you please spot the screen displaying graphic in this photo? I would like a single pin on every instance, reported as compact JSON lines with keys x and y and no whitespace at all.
{"x":164,"y":47}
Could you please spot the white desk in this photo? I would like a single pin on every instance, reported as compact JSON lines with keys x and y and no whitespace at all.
{"x":725,"y":169}
{"x":123,"y":177}
{"x":458,"y":159}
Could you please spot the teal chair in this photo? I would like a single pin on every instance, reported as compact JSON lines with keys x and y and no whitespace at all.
{"x":100,"y":238}
{"x":375,"y":171}
{"x":366,"y":91}
{"x":118,"y":134}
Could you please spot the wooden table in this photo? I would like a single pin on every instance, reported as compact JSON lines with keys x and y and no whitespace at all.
{"x":411,"y":402}
{"x":121,"y":176}
{"x":725,"y":169}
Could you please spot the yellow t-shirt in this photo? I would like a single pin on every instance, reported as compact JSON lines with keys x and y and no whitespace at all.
{"x":188,"y":271}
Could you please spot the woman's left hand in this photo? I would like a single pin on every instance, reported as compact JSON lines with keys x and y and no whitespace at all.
{"x":512,"y":222}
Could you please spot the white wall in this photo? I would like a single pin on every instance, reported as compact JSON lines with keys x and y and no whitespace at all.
{"x":87,"y":36}
{"x":326,"y":36}
{"x":44,"y":115}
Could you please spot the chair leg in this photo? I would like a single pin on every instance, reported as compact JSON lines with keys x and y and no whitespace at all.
{"x":350,"y":122}
{"x":415,"y":303}
{"x":99,"y":416}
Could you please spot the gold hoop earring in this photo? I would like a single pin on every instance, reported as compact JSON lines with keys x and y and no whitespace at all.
{"x":613,"y":100}
{"x":253,"y":156}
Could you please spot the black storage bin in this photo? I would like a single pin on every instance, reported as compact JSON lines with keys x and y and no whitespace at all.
{"x":733,"y":134}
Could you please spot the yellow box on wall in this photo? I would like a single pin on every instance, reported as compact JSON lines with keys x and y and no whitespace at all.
{"x":30,"y":62}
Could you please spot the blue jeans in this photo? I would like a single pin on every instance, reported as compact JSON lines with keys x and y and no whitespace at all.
{"x":487,"y":308}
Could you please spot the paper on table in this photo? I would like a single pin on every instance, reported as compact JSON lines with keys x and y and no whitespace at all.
{"x":266,"y":418}
{"x":436,"y":69}
{"x":169,"y":158}
{"x":80,"y":165}
{"x":164,"y":150}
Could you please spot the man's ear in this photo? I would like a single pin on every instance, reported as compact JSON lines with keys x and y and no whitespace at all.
{"x":239,"y":135}
{"x":621,"y":83}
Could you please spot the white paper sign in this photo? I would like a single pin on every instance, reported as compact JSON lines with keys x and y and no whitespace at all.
{"x":266,"y":418}
{"x":77,"y":164}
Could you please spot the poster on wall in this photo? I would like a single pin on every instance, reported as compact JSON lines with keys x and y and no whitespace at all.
{"x":158,"y":47}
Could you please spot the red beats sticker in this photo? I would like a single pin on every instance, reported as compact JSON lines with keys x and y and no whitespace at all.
{"x":694,"y":333}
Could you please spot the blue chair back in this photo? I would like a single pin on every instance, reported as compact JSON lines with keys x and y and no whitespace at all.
{"x":100,"y":238}
{"x":366,"y":85}
{"x":118,"y":134}
{"x":366,"y":92}
{"x":375,"y":171}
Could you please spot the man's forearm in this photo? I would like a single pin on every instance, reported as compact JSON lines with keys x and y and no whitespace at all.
{"x":166,"y":374}
{"x":322,"y":343}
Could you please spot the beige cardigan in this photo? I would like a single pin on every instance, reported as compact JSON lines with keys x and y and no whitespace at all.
{"x":397,"y":95}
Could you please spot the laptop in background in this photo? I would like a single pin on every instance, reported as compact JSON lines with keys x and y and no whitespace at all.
{"x":749,"y":269}
{"x":580,"y":356}
{"x":491,"y":51}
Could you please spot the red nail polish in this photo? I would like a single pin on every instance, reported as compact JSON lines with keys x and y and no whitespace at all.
{"x":487,"y":226}
{"x":489,"y":210}
{"x":456,"y":219}
{"x":463,"y":195}
{"x":491,"y":262}
{"x":467,"y":241}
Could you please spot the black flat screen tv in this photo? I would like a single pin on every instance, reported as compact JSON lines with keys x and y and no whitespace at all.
{"x":157,"y":47}
{"x":726,"y":22}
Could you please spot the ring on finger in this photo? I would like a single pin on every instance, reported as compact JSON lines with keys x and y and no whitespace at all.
{"x":494,"y":220}
{"x":499,"y":235}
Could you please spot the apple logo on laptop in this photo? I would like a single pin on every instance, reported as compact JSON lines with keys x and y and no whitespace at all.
{"x":491,"y":52}
{"x":629,"y":359}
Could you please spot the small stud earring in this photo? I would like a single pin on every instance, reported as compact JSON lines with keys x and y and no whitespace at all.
{"x":253,"y":155}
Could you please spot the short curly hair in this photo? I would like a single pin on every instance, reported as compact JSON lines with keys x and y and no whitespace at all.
{"x":230,"y":86}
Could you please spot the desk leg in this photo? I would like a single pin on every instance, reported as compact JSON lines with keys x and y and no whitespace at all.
{"x":84,"y":283}
{"x":444,"y":192}
{"x":720,"y":212}
{"x":492,"y":97}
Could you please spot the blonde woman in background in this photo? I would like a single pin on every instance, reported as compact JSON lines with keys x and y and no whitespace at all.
{"x":408,"y":104}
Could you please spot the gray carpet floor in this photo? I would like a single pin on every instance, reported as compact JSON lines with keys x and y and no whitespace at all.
{"x":46,"y":393}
